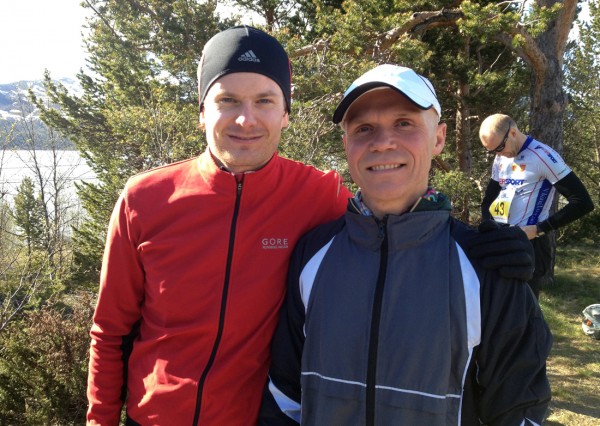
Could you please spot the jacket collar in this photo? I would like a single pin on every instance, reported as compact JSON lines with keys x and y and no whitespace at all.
{"x":402,"y":231}
{"x":222,"y":180}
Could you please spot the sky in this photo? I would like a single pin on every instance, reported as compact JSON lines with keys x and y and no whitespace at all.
{"x":41,"y":34}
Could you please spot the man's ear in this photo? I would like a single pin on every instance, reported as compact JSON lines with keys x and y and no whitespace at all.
{"x":440,"y":138}
{"x":201,"y":119}
{"x":344,"y":140}
{"x":285,"y":120}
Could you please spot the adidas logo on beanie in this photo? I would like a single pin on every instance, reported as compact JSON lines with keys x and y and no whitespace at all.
{"x":249,"y":56}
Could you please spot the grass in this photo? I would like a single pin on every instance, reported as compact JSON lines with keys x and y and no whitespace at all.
{"x":574,"y":363}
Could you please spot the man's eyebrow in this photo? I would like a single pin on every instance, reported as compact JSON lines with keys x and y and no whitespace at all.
{"x":356,"y":116}
{"x":266,"y":94}
{"x":364,"y":115}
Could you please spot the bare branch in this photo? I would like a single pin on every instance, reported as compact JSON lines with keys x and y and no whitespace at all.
{"x":563,"y":26}
{"x":444,"y":165}
{"x":22,"y":294}
{"x":420,"y":22}
{"x":423,"y":21}
{"x":103,"y":19}
{"x":317,"y":46}
{"x":528,"y":49}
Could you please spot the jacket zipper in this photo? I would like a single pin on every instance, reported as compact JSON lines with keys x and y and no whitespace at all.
{"x":213,"y":354}
{"x":375,"y":320}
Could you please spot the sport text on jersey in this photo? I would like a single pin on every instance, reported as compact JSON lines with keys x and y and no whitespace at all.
{"x":516,"y":182}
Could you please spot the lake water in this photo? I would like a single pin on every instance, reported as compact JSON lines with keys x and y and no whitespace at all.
{"x":15,"y":165}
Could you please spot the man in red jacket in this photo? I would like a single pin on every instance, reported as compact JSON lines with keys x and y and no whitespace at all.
{"x":194,"y":269}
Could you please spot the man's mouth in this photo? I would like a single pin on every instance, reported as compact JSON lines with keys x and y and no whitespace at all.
{"x":245,"y":138}
{"x":385,"y":167}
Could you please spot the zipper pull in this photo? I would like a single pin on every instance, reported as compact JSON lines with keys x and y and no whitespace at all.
{"x":381,"y":225}
{"x":240,"y":181}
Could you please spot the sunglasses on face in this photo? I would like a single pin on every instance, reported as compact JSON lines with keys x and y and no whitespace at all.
{"x":500,"y":147}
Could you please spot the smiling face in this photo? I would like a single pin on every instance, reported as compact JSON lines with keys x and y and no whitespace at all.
{"x":243,"y":115}
{"x":389,"y":144}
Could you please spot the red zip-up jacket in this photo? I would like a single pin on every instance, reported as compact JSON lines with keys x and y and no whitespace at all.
{"x":197,"y":258}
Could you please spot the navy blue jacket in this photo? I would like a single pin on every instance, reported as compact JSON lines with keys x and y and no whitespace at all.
{"x":388,"y":322}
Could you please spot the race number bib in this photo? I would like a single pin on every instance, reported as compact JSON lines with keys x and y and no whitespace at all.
{"x":501,"y":205}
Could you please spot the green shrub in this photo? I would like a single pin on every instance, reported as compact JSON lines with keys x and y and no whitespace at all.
{"x":43,"y":364}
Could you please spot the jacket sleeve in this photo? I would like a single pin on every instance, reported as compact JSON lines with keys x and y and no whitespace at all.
{"x":511,"y":359}
{"x":579,"y":203}
{"x":115,"y":319}
{"x":281,"y":396}
{"x":491,"y":192}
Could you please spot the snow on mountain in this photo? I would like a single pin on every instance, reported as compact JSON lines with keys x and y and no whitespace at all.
{"x":14,"y":97}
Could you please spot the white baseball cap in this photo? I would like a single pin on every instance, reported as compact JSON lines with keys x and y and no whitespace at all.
{"x":412,"y":85}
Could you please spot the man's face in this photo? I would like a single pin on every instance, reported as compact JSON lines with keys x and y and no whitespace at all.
{"x":243,"y":115}
{"x":389,"y":144}
{"x":500,"y":144}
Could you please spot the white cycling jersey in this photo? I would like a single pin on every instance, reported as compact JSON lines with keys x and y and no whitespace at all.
{"x":527,"y":183}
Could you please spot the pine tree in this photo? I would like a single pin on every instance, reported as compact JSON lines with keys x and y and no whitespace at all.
{"x":582,"y":126}
{"x":28,"y":216}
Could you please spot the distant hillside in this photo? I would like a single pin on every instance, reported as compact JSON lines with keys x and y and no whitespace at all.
{"x":19,"y":115}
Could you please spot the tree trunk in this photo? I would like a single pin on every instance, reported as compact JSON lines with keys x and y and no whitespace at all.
{"x":548,"y":105}
{"x":548,"y":99}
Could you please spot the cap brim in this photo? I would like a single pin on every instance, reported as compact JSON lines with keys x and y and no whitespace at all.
{"x":340,"y":111}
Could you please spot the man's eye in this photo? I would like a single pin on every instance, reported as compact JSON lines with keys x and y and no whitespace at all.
{"x":265,"y":101}
{"x":226,"y":100}
{"x":363,"y":129}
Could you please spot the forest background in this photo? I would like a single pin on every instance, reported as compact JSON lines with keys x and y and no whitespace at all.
{"x":138,"y":109}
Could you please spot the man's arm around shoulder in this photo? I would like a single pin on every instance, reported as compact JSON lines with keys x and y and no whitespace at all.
{"x":505,"y":249}
{"x":511,"y":358}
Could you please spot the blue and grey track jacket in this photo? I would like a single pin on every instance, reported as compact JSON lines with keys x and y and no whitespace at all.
{"x":389,"y":323}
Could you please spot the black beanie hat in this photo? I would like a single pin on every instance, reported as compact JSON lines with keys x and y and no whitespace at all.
{"x":244,"y":49}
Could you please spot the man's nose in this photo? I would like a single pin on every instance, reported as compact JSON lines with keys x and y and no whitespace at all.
{"x":383,"y":140}
{"x":246,"y":116}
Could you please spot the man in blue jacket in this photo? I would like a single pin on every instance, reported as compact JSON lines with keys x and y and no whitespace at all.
{"x":387,"y":319}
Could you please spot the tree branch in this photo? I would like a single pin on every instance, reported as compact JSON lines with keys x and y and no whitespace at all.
{"x":317,"y":46}
{"x":103,"y":19}
{"x":423,"y":21}
{"x":564,"y":21}
{"x":528,"y":49}
{"x":420,"y":22}
{"x":442,"y":164}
